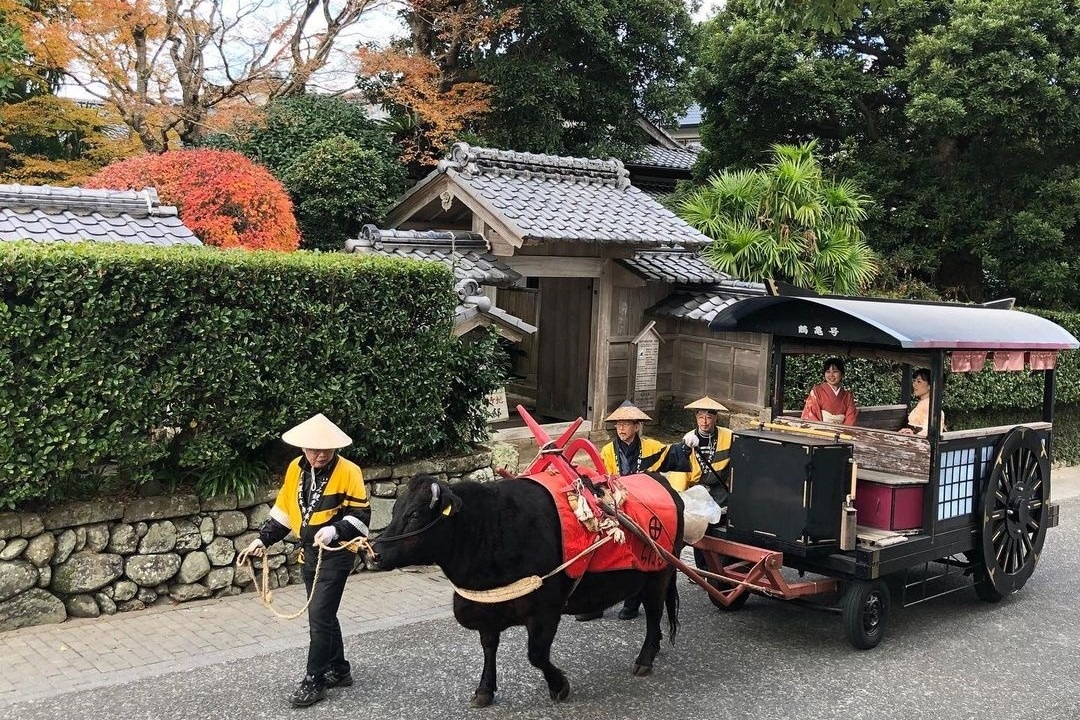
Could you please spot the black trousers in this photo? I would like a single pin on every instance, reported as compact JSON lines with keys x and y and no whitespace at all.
{"x":326,"y":650}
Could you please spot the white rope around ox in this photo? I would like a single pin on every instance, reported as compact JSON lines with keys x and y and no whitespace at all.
{"x":262,"y":586}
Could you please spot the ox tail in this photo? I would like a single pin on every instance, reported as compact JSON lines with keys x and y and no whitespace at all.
{"x":671,"y":603}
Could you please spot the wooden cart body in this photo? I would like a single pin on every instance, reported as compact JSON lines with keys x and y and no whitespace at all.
{"x":970,"y":502}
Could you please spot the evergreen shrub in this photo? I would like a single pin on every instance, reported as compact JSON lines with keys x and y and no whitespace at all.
{"x":144,"y":363}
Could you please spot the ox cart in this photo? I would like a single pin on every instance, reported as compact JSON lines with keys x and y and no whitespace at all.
{"x":873,"y":515}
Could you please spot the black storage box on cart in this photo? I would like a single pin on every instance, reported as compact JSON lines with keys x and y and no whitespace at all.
{"x":788,"y":491}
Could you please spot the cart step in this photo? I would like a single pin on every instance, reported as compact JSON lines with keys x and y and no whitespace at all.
{"x":1051,"y":514}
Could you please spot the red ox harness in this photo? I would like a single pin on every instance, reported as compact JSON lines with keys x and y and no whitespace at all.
{"x":647,"y":503}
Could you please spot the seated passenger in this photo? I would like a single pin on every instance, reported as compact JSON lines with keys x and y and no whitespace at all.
{"x":919,"y":417}
{"x":828,"y":402}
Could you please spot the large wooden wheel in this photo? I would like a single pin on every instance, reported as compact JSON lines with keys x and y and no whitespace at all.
{"x":1013,"y":523}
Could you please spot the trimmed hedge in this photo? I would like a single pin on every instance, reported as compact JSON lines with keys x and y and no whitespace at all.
{"x":150,"y":363}
{"x":878,"y":383}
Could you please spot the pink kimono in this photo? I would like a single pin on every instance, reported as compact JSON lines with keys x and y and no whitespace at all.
{"x":825,"y":405}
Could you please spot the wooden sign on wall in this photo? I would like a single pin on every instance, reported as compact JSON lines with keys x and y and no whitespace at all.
{"x":646,"y":362}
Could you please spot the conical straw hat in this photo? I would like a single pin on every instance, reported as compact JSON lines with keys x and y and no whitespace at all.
{"x":317,"y":433}
{"x":627,"y":411}
{"x":706,"y":403}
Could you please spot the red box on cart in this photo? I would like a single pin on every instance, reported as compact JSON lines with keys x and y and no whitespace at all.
{"x":889,"y":506}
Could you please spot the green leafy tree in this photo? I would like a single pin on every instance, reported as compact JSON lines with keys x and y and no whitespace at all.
{"x":565,"y":76}
{"x":784,"y":220}
{"x":340,"y":185}
{"x":961,"y":118}
{"x":339,"y":167}
{"x":574,"y":75}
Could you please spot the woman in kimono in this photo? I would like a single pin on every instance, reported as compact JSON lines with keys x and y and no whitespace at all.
{"x":829,"y":402}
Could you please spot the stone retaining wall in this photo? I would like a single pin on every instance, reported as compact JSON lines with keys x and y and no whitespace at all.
{"x":86,"y":559}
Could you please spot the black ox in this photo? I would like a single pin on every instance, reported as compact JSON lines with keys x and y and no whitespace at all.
{"x":488,"y":535}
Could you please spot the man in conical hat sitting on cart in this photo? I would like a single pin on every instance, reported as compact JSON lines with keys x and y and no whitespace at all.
{"x":627,"y":454}
{"x":323,"y":502}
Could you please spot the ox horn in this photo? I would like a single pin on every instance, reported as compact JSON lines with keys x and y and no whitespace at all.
{"x":434,"y":496}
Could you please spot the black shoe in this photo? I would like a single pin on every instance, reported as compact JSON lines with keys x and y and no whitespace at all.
{"x":584,"y":617}
{"x":311,"y":691}
{"x":337,"y":678}
{"x":628,"y":612}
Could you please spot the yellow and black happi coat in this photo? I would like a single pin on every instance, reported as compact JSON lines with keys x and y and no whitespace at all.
{"x":716,"y":449}
{"x":642,"y":455}
{"x":309,"y":500}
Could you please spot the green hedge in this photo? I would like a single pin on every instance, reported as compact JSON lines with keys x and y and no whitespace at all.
{"x":146,"y":363}
{"x":878,"y":383}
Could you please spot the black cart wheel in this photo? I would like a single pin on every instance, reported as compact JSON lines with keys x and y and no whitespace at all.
{"x":866,"y":612}
{"x":1013,"y":523}
{"x":699,"y":560}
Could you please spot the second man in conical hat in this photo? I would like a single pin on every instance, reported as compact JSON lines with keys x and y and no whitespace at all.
{"x":627,"y":454}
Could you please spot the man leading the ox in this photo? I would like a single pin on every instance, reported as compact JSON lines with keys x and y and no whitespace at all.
{"x":627,"y":454}
{"x":322,"y":501}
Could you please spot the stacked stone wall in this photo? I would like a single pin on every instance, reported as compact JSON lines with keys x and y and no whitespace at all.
{"x":99,"y":557}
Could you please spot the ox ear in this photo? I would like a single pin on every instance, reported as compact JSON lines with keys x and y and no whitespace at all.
{"x":444,"y":497}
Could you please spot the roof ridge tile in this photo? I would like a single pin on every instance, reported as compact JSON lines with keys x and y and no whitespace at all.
{"x":489,"y":161}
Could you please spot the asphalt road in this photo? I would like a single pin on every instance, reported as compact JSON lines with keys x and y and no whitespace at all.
{"x":953,"y":657}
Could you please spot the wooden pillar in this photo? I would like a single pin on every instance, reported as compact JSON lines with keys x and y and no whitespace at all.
{"x":603,"y":293}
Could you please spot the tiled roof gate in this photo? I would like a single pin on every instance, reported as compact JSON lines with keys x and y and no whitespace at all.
{"x":551,"y":198}
{"x":51,"y":214}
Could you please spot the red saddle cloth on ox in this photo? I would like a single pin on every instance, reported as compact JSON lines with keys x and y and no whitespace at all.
{"x":648,"y":504}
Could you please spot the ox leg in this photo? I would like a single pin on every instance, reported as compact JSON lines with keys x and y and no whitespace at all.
{"x":485,"y":691}
{"x":652,"y":599}
{"x":541,"y":634}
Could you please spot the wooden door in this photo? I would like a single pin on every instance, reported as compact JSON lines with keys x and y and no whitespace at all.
{"x":565,"y":331}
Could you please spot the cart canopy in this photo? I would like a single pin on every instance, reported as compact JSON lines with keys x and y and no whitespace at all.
{"x":899,"y":324}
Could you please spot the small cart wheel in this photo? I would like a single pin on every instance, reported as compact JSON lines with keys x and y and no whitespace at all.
{"x":699,"y":560}
{"x":866,"y":613}
{"x":1013,"y":515}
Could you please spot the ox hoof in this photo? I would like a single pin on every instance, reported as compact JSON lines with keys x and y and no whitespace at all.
{"x":562,"y":693}
{"x":642,"y":670}
{"x":481,"y":699}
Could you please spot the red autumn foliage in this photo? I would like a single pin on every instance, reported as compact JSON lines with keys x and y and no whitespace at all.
{"x":223,"y":197}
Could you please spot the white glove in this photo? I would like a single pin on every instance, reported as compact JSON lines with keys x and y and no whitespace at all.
{"x":690,"y":439}
{"x":255,"y":549}
{"x":325,"y":536}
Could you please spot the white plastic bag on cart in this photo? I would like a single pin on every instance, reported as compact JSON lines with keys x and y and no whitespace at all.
{"x":699,"y":511}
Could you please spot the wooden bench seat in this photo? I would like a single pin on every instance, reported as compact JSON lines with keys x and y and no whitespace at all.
{"x":878,"y":450}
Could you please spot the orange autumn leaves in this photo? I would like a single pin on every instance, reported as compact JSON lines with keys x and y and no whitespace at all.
{"x":428,"y":78}
{"x":224,"y":198}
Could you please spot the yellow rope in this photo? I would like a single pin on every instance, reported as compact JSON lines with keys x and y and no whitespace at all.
{"x":262,"y":587}
{"x":526,"y":585}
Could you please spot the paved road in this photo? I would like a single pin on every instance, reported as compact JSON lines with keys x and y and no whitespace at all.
{"x":949,"y":658}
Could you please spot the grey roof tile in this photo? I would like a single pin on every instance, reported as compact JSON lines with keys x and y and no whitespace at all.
{"x":704,"y":305}
{"x":563,"y":198}
{"x":464,"y":252}
{"x":49,"y":214}
{"x":654,"y":156}
{"x":691,"y":117}
{"x":678,"y":267}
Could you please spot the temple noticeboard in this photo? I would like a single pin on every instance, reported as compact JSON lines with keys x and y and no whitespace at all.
{"x":646,"y":360}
